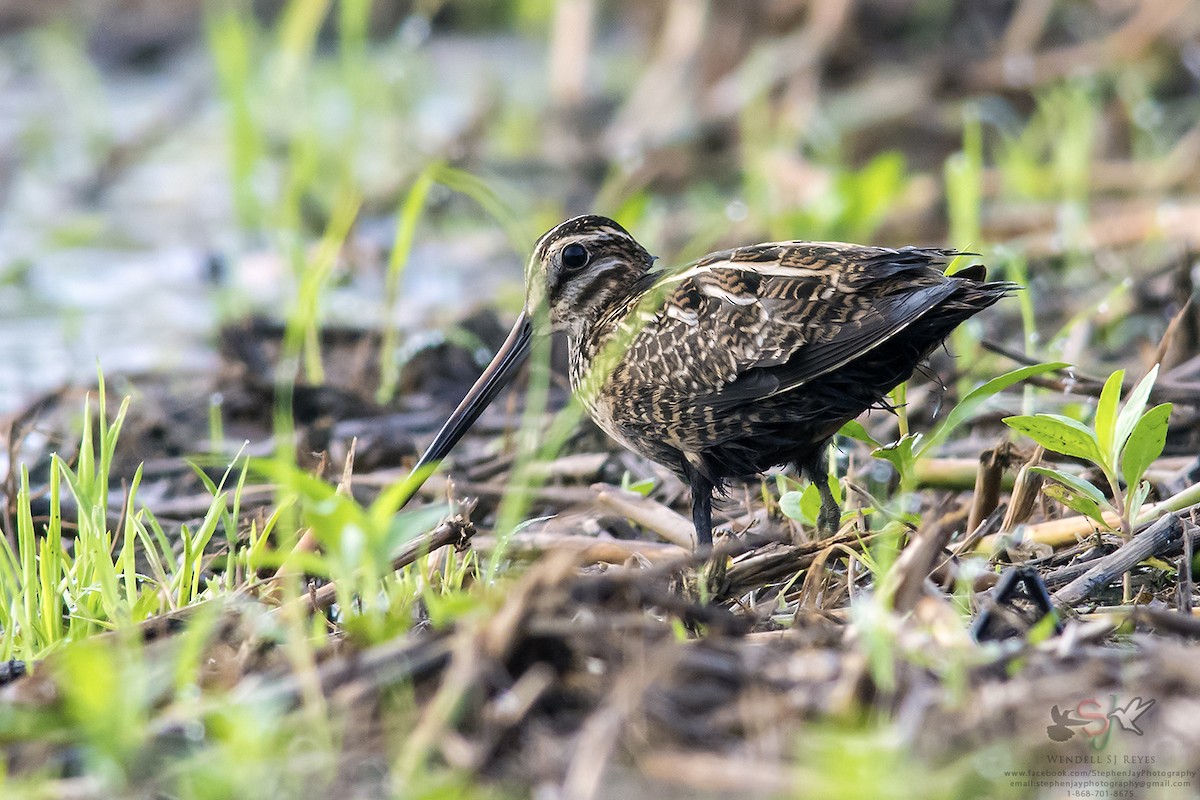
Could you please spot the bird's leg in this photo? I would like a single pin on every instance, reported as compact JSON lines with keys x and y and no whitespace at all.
{"x":713,"y":573}
{"x":702,"y":492}
{"x":702,"y":513}
{"x":829,"y":518}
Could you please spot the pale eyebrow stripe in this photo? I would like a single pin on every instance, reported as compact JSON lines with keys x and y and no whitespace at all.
{"x":594,"y":272}
{"x":756,"y":268}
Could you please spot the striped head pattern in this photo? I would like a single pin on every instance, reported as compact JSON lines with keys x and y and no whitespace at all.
{"x":579,"y":269}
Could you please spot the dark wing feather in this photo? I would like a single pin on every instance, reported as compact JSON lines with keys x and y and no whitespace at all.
{"x":885,"y":319}
{"x":753,"y":322}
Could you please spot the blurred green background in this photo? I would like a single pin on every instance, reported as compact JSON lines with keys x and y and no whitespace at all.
{"x":166,"y":166}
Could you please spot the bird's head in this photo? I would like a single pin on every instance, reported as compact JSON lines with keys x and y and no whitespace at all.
{"x":578,"y":269}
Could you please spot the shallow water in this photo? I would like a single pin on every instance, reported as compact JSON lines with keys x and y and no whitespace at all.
{"x":116,"y":267}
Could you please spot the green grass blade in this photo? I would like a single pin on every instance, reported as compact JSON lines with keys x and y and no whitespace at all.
{"x":976,"y":397}
{"x":232,"y":34}
{"x":128,"y":559}
{"x":406,"y":227}
{"x":27,"y":550}
{"x":157,"y":565}
{"x":502,"y":211}
{"x":964,"y":185}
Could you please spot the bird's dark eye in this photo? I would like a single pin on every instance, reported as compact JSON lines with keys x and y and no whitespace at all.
{"x":574,"y":256}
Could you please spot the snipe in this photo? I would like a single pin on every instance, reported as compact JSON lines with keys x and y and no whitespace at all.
{"x":746,"y":359}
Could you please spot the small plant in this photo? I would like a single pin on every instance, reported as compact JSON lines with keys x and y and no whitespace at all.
{"x":643,"y":487}
{"x":1125,"y":441}
{"x":909,"y":449}
{"x":104,"y":577}
{"x":358,"y":544}
{"x":912,"y":447}
{"x":803,"y":505}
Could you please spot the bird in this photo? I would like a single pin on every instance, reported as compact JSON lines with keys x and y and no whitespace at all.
{"x":1127,"y":717}
{"x":1060,"y":729}
{"x":743,"y":360}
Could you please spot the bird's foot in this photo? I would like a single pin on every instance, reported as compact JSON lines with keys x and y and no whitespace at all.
{"x":714,"y":573}
{"x":829,"y":519}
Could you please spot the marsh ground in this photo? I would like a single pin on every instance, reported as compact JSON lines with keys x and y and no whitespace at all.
{"x":292,"y":233}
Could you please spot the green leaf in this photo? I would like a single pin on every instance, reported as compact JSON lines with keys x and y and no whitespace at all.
{"x":1137,"y":498}
{"x":976,"y":397}
{"x":797,"y":505}
{"x":1043,"y":629}
{"x":1076,"y":502}
{"x":1135,"y":404}
{"x":1106,"y":414}
{"x":643,"y":487}
{"x":335,"y":520}
{"x":1072,"y":482}
{"x":448,"y":607}
{"x":1060,"y":434}
{"x":810,"y":504}
{"x":1145,"y":444}
{"x":408,"y":525}
{"x":835,"y":486}
{"x":900,"y":454}
{"x":396,"y":495}
{"x":805,"y":506}
{"x":855,"y":430}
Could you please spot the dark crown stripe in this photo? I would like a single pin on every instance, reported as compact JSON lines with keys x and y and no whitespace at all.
{"x":589,"y":224}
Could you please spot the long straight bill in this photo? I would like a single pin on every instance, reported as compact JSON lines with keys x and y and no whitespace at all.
{"x":512,"y":354}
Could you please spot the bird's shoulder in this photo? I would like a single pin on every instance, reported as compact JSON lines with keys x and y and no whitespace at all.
{"x":799,"y":259}
{"x":791,"y":285}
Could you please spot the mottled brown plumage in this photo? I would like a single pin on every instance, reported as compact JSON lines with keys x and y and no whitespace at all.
{"x":746,"y":359}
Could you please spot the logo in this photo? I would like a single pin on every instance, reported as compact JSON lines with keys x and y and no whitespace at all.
{"x":1090,"y":719}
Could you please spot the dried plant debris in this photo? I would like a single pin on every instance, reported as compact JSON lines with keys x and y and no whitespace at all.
{"x":580,"y":679}
{"x":611,"y":656}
